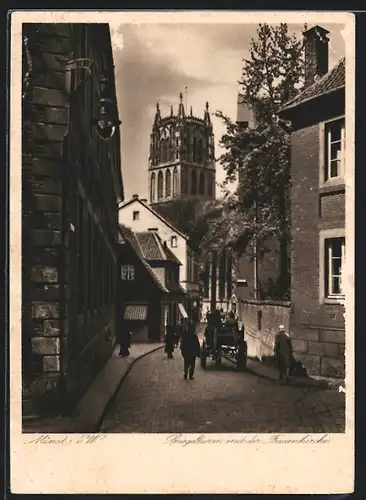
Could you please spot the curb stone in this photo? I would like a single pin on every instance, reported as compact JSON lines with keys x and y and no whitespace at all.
{"x":112,"y":399}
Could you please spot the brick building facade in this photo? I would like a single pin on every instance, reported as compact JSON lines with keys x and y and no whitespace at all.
{"x":317,"y":118}
{"x":71,"y":180}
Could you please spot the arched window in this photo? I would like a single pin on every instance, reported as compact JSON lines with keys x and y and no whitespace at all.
{"x":152,"y":187}
{"x":162,"y":151}
{"x":168,"y":183}
{"x":193,"y":183}
{"x":194,"y":149}
{"x":200,"y":151}
{"x":202,"y":184}
{"x":166,"y":150}
{"x":175,"y":182}
{"x":160,"y":185}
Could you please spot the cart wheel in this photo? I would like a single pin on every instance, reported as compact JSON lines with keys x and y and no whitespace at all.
{"x":203,"y":358}
{"x":241,"y":361}
{"x":203,"y":362}
{"x":218,"y":358}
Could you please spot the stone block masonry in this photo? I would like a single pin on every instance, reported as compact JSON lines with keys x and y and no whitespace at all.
{"x":320,"y":350}
{"x":71,"y":184}
{"x":45,"y":119}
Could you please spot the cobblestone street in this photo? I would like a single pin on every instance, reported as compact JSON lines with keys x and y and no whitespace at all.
{"x":155,"y":398}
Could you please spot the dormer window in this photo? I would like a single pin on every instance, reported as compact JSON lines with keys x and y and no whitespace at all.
{"x":334,"y":149}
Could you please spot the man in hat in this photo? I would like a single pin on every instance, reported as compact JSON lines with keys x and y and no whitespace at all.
{"x":283,"y":353}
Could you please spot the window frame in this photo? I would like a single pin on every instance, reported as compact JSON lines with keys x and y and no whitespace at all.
{"x":174,"y":239}
{"x":136,"y":213}
{"x":329,"y":257}
{"x":325,"y":153}
{"x":324,"y":267}
{"x":130,"y":271}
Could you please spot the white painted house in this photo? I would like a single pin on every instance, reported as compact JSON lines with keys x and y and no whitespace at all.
{"x":139,"y":216}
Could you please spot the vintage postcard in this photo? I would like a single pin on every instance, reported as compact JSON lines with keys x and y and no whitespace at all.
{"x":181,"y":252}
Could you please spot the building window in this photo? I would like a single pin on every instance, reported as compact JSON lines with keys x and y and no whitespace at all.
{"x":334,"y":150}
{"x":128,"y":272}
{"x":202,"y":184}
{"x":200,"y":151}
{"x":175,"y":182}
{"x":334,"y":263}
{"x":193,"y":183}
{"x":152,"y":188}
{"x":168,"y":183}
{"x":160,"y":185}
{"x":173,"y":242}
{"x":136,"y":215}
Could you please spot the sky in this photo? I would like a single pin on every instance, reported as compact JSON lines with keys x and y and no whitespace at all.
{"x":155,"y":62}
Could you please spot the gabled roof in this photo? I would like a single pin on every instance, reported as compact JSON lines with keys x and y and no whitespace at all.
{"x":149,"y":245}
{"x":165,"y":221}
{"x":170,"y":255}
{"x":129,"y":236}
{"x":153,"y":248}
{"x":333,"y":80}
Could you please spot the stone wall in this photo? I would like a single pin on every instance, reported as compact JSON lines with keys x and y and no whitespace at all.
{"x":319,"y":349}
{"x":45,"y":119}
{"x":261,"y":320}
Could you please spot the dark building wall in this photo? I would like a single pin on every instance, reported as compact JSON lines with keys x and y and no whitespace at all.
{"x":140,"y":290}
{"x":71,"y":184}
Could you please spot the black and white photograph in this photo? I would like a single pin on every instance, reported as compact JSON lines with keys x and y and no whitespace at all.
{"x":181,"y":231}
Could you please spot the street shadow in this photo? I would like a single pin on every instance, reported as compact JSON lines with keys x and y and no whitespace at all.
{"x":222,"y":367}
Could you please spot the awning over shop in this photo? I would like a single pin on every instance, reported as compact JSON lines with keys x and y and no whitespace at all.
{"x":135,"y":312}
{"x":182,"y":310}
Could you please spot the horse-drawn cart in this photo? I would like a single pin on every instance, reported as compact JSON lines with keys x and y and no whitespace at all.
{"x":223,"y":340}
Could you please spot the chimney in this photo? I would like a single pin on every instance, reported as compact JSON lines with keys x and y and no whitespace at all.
{"x":245,"y":116}
{"x":316,"y":54}
{"x":135,"y":196}
{"x":144,"y":200}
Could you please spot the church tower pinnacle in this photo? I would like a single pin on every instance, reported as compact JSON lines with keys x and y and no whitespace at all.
{"x":182,"y":156}
{"x":181,"y":112}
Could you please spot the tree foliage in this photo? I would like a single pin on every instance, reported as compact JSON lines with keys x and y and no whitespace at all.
{"x":259,"y":156}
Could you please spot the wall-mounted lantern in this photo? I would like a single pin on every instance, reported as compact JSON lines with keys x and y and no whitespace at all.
{"x":106,"y":120}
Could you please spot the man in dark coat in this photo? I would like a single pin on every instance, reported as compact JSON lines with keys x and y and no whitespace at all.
{"x":170,"y":341}
{"x":125,"y":343}
{"x":283,"y":353}
{"x":190,"y":349}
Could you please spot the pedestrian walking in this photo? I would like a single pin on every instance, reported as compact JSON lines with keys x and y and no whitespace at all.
{"x":125,"y":343}
{"x":190,"y":349}
{"x":170,"y":341}
{"x":283,"y":353}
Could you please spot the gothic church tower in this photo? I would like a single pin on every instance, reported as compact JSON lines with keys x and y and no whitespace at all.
{"x":182,"y":157}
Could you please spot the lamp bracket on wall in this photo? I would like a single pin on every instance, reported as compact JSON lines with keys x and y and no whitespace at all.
{"x":106,"y":120}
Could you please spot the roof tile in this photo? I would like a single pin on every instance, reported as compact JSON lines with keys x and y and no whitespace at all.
{"x":149,"y":246}
{"x":331,"y":81}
